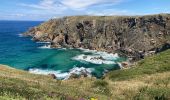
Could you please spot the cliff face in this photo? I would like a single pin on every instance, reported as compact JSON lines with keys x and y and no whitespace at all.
{"x":134,"y":35}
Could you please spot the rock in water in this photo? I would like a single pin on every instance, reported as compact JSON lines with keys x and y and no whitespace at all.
{"x":125,"y":34}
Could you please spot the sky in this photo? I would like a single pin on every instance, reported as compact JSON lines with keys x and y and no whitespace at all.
{"x":41,"y":10}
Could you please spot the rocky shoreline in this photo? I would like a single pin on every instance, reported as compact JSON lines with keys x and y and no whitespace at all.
{"x":89,"y":58}
{"x":132,"y":36}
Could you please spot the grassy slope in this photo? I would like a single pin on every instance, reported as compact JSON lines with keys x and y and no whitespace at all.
{"x":25,"y":85}
{"x":155,"y":64}
{"x":149,"y":79}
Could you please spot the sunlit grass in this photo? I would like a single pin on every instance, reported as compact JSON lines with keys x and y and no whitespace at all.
{"x":149,"y":79}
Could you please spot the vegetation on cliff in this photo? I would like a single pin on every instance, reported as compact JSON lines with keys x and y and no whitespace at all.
{"x":149,"y":79}
{"x":134,"y":36}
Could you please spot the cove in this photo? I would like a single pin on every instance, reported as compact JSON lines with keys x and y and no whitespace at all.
{"x":22,"y":53}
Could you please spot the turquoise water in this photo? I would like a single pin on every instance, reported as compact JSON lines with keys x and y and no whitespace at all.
{"x":22,"y":53}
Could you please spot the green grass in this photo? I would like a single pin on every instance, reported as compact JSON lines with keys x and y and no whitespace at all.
{"x":155,"y":64}
{"x":101,"y":87}
{"x":19,"y":84}
{"x":149,"y":79}
{"x":153,"y":93}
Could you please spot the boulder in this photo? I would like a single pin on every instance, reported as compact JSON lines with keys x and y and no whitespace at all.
{"x":74,"y":76}
{"x":124,"y":65}
{"x":53,"y":76}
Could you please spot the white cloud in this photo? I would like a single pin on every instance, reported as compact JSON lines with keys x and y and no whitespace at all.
{"x":108,"y":12}
{"x":82,"y":4}
{"x":69,"y":4}
{"x":52,"y":8}
{"x":48,"y":5}
{"x":79,"y":4}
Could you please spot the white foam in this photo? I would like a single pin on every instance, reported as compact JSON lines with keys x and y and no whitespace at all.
{"x":95,"y":59}
{"x":65,"y":75}
{"x":87,"y":50}
{"x":44,"y":42}
{"x":120,"y":65}
{"x":46,"y":72}
{"x":20,"y":35}
{"x":105,"y":55}
{"x":77,"y":70}
{"x":62,"y":48}
{"x":45,"y":47}
{"x":108,"y":56}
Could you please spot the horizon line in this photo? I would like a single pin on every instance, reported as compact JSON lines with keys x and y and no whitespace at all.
{"x":80,"y":15}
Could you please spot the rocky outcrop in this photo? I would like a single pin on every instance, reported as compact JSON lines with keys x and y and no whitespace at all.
{"x":53,"y":76}
{"x":133,"y":36}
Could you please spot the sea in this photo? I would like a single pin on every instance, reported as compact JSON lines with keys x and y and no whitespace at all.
{"x":22,"y":53}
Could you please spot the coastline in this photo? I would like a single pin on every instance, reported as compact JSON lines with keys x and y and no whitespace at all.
{"x":95,"y":57}
{"x":110,"y":34}
{"x":121,"y":84}
{"x":84,"y":50}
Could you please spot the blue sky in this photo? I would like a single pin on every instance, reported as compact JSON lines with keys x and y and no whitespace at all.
{"x":46,"y":9}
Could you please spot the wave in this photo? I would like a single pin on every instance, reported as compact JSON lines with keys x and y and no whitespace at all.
{"x":20,"y":35}
{"x":108,"y":56}
{"x":47,"y":72}
{"x":87,"y":50}
{"x":45,"y":47}
{"x":60,"y":48}
{"x":63,"y":75}
{"x":48,"y":46}
{"x":97,"y":57}
{"x":43,"y":42}
{"x":105,"y":55}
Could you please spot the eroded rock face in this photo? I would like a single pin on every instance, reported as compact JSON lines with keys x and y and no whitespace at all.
{"x":132,"y":36}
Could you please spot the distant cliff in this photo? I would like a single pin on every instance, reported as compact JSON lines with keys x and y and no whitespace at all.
{"x":134,"y":36}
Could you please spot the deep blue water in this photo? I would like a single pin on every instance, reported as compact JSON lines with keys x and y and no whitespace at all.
{"x":22,"y":53}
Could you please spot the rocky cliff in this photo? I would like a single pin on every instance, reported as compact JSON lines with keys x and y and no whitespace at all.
{"x":134,"y":36}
